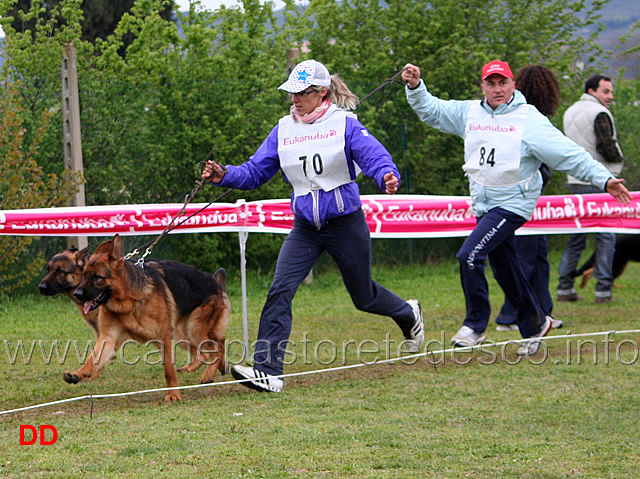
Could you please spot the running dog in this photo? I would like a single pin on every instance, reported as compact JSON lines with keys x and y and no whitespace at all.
{"x":64,"y":274}
{"x":627,"y":249}
{"x":163,"y":301}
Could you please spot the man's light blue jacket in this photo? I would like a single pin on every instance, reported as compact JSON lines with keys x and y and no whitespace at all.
{"x":541,"y":143}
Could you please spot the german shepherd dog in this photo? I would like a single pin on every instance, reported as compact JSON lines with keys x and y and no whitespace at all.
{"x":627,"y":249}
{"x":163,"y":301}
{"x":64,"y":274}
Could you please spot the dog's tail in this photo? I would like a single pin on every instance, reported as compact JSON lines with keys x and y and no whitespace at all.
{"x":221,"y":278}
{"x":589,"y":264}
{"x":586,"y":270}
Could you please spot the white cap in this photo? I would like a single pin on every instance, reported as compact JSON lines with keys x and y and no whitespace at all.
{"x":306,"y":74}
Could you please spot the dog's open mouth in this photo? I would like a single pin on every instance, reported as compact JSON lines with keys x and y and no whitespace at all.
{"x":94,"y":303}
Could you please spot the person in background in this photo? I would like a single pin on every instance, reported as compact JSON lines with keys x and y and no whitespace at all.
{"x":590,"y":124}
{"x":540,"y":88}
{"x":320,"y":147}
{"x":505,"y":142}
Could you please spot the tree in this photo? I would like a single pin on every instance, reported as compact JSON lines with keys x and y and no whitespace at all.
{"x":627,"y":117}
{"x":23,"y":185}
{"x":99,"y":17}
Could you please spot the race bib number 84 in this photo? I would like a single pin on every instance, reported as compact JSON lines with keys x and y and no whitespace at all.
{"x":492,"y":146}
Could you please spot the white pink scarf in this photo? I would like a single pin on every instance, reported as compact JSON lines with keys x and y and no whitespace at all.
{"x":314,"y":115}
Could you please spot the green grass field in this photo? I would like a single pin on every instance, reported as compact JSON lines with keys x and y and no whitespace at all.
{"x":571,"y":411}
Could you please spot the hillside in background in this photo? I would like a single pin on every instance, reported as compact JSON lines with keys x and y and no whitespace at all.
{"x":619,"y":16}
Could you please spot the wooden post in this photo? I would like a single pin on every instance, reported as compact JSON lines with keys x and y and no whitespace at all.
{"x":71,"y":130}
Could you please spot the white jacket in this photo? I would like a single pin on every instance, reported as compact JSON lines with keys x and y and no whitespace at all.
{"x":579,"y":122}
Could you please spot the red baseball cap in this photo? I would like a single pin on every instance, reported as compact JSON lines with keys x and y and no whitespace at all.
{"x":496,"y":67}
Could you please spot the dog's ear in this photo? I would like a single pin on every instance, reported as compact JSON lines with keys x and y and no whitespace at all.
{"x":81,"y":257}
{"x":221,"y":278}
{"x":117,"y":248}
{"x":104,"y":247}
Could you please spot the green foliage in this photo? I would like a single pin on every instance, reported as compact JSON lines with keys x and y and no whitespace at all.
{"x":23,"y":184}
{"x":627,"y":117}
{"x":99,"y":17}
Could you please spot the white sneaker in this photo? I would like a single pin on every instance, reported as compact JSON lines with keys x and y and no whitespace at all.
{"x":467,"y":337}
{"x":555,"y":323}
{"x":413,"y":343}
{"x":507,"y":327}
{"x":257,"y":379}
{"x":530,"y":347}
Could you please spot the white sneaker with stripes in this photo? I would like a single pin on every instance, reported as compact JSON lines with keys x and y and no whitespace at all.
{"x":507,"y":327}
{"x":467,"y":338}
{"x":415,"y":340}
{"x":555,"y":323}
{"x":256,"y":379}
{"x":530,"y":347}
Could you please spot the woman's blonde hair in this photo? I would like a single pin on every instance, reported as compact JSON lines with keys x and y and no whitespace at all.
{"x":340,"y":94}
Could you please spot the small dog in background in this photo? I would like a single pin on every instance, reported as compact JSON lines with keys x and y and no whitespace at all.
{"x":627,"y":249}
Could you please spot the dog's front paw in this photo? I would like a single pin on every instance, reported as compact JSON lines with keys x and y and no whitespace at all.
{"x":71,"y":378}
{"x":173,"y":396}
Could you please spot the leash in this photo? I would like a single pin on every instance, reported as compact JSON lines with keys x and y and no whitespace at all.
{"x":188,"y":198}
{"x":393,"y":78}
{"x":384,"y":84}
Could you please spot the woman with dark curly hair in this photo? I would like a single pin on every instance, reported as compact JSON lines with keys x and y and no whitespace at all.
{"x":540,"y":88}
